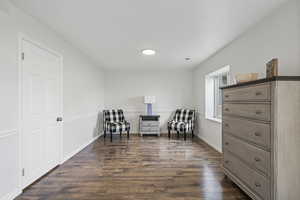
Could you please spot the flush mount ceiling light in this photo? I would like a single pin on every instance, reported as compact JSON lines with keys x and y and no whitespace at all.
{"x":148,"y":52}
{"x":187,"y":59}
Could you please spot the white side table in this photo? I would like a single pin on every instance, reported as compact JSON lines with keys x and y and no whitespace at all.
{"x":149,"y":125}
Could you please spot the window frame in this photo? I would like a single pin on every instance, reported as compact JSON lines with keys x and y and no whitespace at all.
{"x":212,"y":94}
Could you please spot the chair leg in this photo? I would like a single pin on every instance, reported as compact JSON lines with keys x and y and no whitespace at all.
{"x":128,"y":134}
{"x":184,"y":134}
{"x":169,"y":133}
{"x":120,"y":134}
{"x":110,"y":136}
{"x":104,"y":133}
{"x":192,"y":133}
{"x":177,"y":134}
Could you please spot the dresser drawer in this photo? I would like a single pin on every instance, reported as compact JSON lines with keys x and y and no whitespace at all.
{"x":253,"y":93}
{"x":256,"y":182}
{"x":253,"y":111}
{"x":150,"y":123}
{"x":255,"y":132}
{"x":257,"y":158}
{"x":149,"y":129}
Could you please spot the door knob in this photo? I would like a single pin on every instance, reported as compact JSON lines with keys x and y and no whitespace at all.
{"x":59,"y":119}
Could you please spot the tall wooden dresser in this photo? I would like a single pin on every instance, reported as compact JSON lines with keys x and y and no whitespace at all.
{"x":261,"y":137}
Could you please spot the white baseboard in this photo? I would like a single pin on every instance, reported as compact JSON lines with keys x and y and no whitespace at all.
{"x":11,"y":195}
{"x":70,"y":155}
{"x":209,"y":144}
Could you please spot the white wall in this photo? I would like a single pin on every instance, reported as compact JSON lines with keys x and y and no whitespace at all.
{"x":276,"y":36}
{"x":126,"y":89}
{"x":83,"y":92}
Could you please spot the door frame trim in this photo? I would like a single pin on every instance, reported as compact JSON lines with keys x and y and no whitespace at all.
{"x":22,"y":37}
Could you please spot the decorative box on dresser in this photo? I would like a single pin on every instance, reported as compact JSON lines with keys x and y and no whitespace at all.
{"x":261,"y":137}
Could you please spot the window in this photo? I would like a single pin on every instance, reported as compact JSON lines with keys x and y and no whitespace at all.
{"x":213,"y":94}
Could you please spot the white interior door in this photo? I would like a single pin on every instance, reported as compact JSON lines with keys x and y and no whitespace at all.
{"x":41,"y":107}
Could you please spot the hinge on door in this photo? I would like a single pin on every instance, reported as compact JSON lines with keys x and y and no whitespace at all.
{"x":23,"y":172}
{"x":23,"y":56}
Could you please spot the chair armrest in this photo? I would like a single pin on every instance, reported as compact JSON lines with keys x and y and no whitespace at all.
{"x":192,"y":123}
{"x":171,"y":121}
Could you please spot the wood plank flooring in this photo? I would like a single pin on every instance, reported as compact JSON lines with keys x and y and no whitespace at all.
{"x":141,"y":168}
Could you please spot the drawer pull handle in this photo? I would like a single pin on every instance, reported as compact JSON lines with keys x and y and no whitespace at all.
{"x":258,"y":93}
{"x":226,"y":109}
{"x":257,"y":184}
{"x":226,"y":143}
{"x":257,"y":159}
{"x":257,"y":134}
{"x":227,"y":125}
{"x":226,"y":161}
{"x":226,"y":96}
{"x":258,"y":112}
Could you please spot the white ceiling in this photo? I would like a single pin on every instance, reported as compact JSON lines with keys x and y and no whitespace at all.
{"x":113,"y":32}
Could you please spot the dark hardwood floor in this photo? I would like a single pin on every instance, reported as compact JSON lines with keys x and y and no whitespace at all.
{"x":148,"y":168}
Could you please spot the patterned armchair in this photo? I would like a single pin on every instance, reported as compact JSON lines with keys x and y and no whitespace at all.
{"x":183,"y":121}
{"x":114,"y":121}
